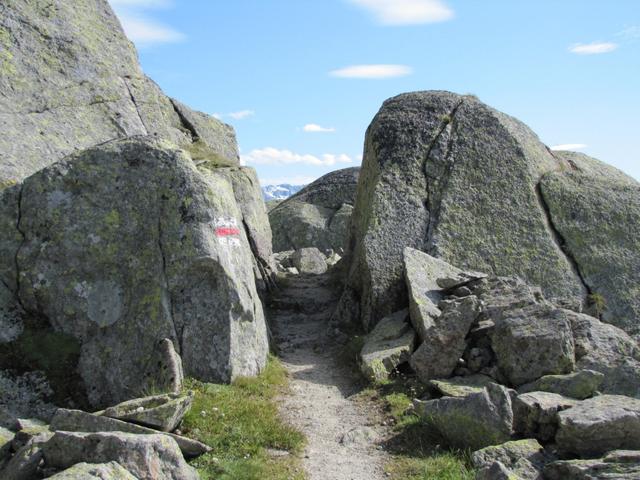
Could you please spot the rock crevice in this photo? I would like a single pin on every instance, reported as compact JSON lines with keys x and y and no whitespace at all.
{"x":561,"y":242}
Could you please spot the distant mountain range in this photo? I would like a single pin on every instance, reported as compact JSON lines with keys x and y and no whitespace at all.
{"x":280,"y":192}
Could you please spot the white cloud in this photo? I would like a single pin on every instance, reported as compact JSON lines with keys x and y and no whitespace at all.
{"x":274,"y":156}
{"x":372,"y":71}
{"x":631,"y":33}
{"x":291,"y":180}
{"x":407,"y":12}
{"x":144,"y":32}
{"x":140,"y":29}
{"x":569,"y":146}
{"x":240,"y":115}
{"x":315,"y":128}
{"x":593,"y":48}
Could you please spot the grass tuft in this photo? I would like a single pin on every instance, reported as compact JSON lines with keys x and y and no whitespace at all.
{"x":241,"y":423}
{"x":417,"y":450}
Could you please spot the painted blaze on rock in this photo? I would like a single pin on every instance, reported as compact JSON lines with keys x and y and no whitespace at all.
{"x":121,"y":250}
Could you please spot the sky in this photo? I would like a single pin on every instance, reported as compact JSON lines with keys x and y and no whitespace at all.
{"x":300,"y":80}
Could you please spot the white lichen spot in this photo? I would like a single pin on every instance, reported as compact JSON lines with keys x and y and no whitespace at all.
{"x":94,"y":239}
{"x":41,"y":281}
{"x":82,"y":290}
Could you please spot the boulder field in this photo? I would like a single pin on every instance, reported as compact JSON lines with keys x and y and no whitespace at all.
{"x":449,"y":175}
{"x":536,"y":390}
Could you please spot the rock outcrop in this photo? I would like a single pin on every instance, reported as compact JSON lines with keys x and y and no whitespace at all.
{"x":130,"y":238}
{"x":125,"y":245}
{"x":450,"y":176}
{"x":318,"y":215}
{"x":70,"y":80}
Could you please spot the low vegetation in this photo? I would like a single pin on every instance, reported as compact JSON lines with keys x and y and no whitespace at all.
{"x":417,"y":452}
{"x":241,"y":423}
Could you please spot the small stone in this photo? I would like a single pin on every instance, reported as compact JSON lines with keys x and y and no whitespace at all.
{"x":309,"y":260}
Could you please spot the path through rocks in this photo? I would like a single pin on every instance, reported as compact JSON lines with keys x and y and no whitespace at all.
{"x":342,"y":439}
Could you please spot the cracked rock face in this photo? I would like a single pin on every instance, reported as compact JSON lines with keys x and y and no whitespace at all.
{"x":69,"y":79}
{"x":125,"y":245}
{"x":318,"y":215}
{"x":450,"y":176}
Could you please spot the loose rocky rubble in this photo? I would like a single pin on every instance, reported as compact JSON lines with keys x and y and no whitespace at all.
{"x":81,"y":445}
{"x":538,"y":391}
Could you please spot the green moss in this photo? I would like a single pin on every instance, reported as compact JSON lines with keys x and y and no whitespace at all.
{"x":415,"y":446}
{"x":597,"y":303}
{"x":54,"y":353}
{"x":7,"y":66}
{"x":112,"y":219}
{"x":7,"y":183}
{"x":241,"y":422}
{"x":205,"y":157}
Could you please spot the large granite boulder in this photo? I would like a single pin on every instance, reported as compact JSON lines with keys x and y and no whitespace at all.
{"x":474,"y":421}
{"x":522,"y":459}
{"x":318,"y":215}
{"x":618,"y":465}
{"x":79,"y":421}
{"x":579,"y":385}
{"x":598,"y":425}
{"x":146,"y":457}
{"x":450,"y":176}
{"x":90,"y":471}
{"x":70,"y":79}
{"x":536,"y":414}
{"x":125,"y":245}
{"x":596,"y":210}
{"x":246,"y":189}
{"x":609,"y":350}
{"x":533,"y":341}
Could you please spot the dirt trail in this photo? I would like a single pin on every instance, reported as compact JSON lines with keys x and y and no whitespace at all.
{"x":342,"y":442}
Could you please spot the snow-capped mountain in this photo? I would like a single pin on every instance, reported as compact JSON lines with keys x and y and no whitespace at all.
{"x":280,"y":192}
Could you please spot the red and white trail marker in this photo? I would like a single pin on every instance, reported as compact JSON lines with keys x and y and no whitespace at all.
{"x":227,"y":231}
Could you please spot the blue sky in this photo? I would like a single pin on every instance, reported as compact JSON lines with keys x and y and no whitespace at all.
{"x":300,"y":80}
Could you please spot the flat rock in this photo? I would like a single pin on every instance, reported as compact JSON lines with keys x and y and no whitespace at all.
{"x":90,"y":471}
{"x":618,"y":465}
{"x":160,"y":412}
{"x":579,"y":385}
{"x":524,"y":459}
{"x":598,"y":425}
{"x":389,"y":344}
{"x":536,"y":414}
{"x":475,"y":421}
{"x":79,"y":421}
{"x":460,"y":386}
{"x":146,"y":457}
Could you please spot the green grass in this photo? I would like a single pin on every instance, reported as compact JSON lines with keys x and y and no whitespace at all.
{"x":418,"y":452}
{"x":241,"y":422}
